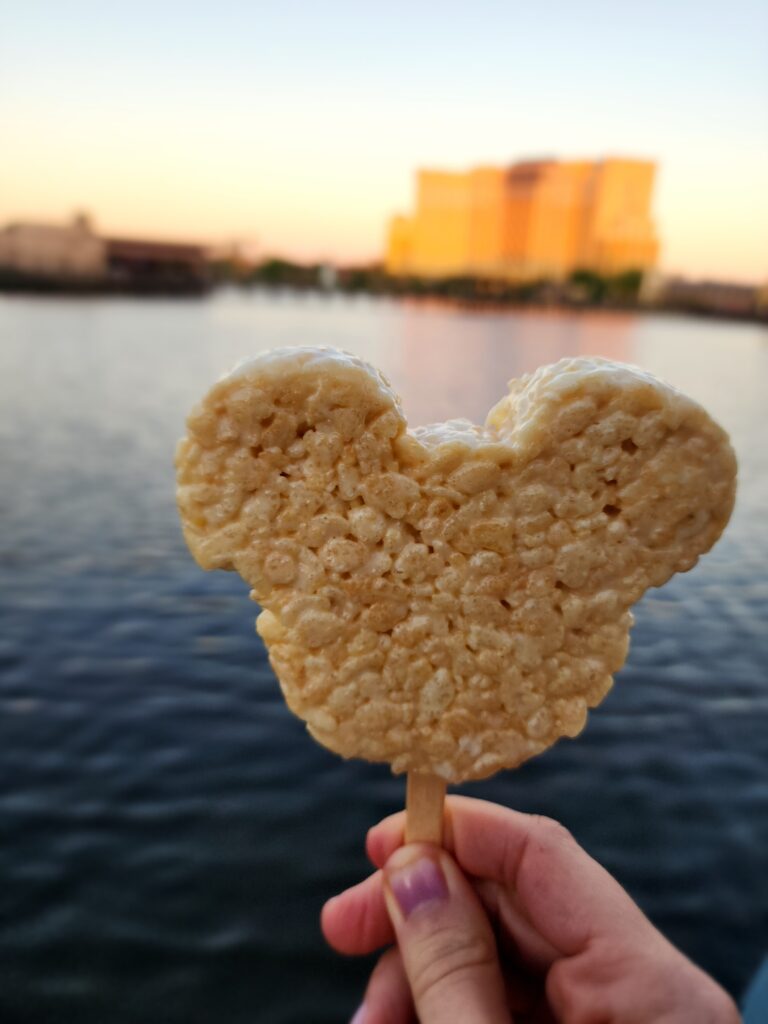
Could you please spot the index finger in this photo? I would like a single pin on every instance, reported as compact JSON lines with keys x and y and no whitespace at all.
{"x":565,"y":894}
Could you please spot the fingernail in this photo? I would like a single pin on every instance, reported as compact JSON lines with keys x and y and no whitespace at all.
{"x":359,"y":1017}
{"x":416,"y":884}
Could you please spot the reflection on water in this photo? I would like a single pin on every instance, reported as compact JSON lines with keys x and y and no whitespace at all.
{"x":158,"y":801}
{"x":453,"y":363}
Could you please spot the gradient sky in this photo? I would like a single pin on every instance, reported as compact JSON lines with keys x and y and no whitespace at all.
{"x":298,"y":126}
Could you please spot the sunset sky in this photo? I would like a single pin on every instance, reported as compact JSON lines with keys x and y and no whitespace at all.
{"x":299,"y":126}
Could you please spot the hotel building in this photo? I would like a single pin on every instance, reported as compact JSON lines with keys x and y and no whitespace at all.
{"x":535,"y":219}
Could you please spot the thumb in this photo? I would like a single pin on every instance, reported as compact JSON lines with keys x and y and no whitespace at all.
{"x":445,"y":939}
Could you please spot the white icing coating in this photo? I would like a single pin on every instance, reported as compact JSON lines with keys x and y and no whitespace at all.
{"x":288,"y":361}
{"x":521,"y":418}
{"x":460,"y":432}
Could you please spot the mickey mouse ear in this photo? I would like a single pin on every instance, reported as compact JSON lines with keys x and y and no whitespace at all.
{"x":245,"y":455}
{"x":645,"y":460}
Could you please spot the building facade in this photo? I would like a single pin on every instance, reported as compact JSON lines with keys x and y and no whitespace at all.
{"x":53,"y":251}
{"x":135,"y":264}
{"x":73,"y":256}
{"x":535,"y":219}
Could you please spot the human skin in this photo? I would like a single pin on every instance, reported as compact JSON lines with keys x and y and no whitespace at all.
{"x":511,"y":922}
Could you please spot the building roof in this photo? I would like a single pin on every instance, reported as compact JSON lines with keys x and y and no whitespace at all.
{"x":142,"y":249}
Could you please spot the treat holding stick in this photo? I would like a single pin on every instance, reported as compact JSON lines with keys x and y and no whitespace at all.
{"x":424,"y":804}
{"x":450,"y":599}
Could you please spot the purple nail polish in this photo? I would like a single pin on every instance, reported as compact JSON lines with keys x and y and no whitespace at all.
{"x":418,"y":883}
{"x":359,"y":1017}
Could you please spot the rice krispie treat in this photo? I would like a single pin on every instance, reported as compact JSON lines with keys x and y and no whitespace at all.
{"x":450,"y":599}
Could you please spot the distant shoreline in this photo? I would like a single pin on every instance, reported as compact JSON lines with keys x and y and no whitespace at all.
{"x":544,"y":298}
{"x":12,"y":282}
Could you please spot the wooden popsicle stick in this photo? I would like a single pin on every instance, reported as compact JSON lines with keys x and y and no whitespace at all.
{"x":424,"y":800}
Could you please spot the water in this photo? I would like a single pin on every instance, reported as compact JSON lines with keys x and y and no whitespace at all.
{"x":168,"y":832}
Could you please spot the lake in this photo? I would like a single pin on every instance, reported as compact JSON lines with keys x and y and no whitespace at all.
{"x":168,"y":830}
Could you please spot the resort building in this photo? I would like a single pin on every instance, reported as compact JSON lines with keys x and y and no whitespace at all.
{"x":138,"y":264}
{"x":70,"y":252}
{"x":536,"y":219}
{"x":72,"y":255}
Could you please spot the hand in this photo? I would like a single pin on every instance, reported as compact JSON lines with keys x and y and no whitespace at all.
{"x":512,"y":921}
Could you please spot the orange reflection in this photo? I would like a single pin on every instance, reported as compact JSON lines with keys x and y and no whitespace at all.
{"x":457,"y":364}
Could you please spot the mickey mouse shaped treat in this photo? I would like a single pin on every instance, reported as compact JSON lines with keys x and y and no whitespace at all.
{"x":449,"y":599}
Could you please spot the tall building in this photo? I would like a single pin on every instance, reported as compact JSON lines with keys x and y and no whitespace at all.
{"x":535,"y":219}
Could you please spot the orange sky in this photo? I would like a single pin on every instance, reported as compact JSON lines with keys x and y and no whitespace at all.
{"x":304,"y":138}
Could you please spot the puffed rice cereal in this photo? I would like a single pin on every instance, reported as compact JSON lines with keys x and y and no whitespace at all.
{"x":453,"y":598}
